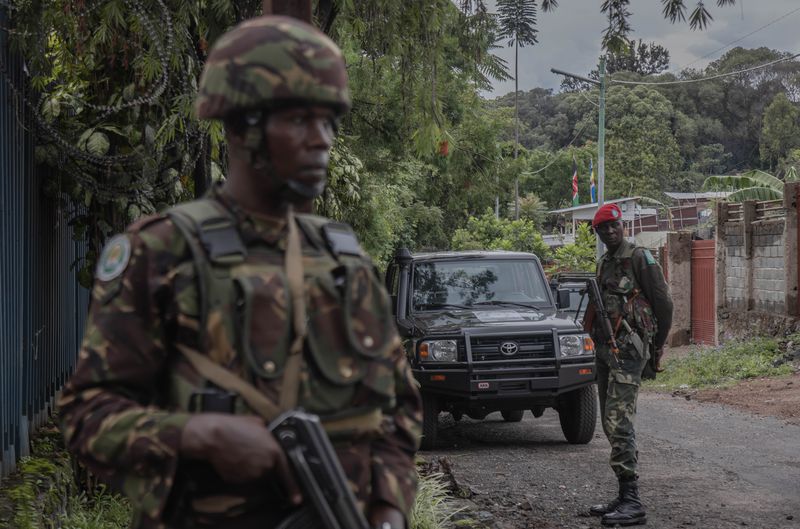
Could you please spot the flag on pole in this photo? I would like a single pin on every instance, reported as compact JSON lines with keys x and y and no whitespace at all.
{"x":575,"y":200}
{"x":591,"y":182}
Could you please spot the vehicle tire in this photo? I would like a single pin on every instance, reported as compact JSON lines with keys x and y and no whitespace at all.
{"x":577,"y":413}
{"x":430,"y":421}
{"x":512,"y":415}
{"x":457,"y":415}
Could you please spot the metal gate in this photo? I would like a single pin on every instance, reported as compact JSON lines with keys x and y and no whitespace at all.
{"x":704,"y":312}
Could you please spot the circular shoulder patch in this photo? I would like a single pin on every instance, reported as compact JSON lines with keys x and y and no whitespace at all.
{"x":114,"y":258}
{"x":614,"y":213}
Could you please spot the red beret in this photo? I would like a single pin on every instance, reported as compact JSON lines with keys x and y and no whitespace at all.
{"x":606,"y":213}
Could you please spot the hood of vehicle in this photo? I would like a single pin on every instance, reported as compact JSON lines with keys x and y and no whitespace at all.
{"x":453,"y":321}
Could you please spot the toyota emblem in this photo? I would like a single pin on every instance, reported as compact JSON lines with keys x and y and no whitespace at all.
{"x":509,"y":348}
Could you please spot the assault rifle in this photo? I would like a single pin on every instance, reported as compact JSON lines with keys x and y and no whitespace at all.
{"x":596,"y":309}
{"x":330,"y":504}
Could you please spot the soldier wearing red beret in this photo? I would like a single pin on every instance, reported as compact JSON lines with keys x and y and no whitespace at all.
{"x":637,"y":298}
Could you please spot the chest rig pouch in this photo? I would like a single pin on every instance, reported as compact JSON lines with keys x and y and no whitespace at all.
{"x":349,"y":313}
{"x":245,"y":310}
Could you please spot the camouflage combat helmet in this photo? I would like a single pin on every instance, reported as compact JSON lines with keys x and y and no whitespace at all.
{"x":272,"y":61}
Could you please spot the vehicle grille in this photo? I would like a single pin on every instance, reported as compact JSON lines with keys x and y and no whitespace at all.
{"x":531,"y":347}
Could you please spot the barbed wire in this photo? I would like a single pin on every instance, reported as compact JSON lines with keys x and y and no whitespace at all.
{"x":139,"y":170}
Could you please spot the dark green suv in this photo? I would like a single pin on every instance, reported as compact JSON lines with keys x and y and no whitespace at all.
{"x":483,"y":333}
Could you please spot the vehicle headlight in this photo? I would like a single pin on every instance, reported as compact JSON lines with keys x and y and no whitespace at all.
{"x":576,"y":344}
{"x":438,"y":351}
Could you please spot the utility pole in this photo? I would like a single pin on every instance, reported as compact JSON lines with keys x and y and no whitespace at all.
{"x":601,"y":135}
{"x":601,"y":147}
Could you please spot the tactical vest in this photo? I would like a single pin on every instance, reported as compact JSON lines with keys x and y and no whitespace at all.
{"x":622,"y":294}
{"x":245,"y":308}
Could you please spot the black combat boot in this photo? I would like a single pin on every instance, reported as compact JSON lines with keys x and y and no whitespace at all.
{"x":604,"y":508}
{"x":630,"y":510}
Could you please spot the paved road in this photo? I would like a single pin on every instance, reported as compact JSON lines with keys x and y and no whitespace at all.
{"x":702,"y":465}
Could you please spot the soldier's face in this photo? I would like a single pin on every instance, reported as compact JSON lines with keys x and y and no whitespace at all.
{"x":299,"y":142}
{"x":611,"y":233}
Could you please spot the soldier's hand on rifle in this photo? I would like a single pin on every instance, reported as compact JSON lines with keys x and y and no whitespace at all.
{"x":240,"y":448}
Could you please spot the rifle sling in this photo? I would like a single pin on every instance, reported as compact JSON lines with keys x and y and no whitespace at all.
{"x":370,"y":421}
{"x":294,"y":272}
{"x":230,"y":381}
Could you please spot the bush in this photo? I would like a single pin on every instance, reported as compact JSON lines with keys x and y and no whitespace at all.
{"x":487,"y":232}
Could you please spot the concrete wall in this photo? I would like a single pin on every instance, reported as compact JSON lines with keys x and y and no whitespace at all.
{"x":679,"y":279}
{"x":757,"y":266}
{"x":769,"y":274}
{"x":735,"y":268}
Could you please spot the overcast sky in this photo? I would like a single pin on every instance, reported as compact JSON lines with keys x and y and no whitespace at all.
{"x":569,"y":37}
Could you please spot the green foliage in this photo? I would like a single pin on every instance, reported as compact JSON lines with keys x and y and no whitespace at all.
{"x":101,"y":510}
{"x":115,"y":83}
{"x":517,"y":19}
{"x":533,"y":208}
{"x":781,"y":130}
{"x":658,"y":138}
{"x":487,"y":232}
{"x":432,"y":509}
{"x":721,"y":366}
{"x":752,"y":185}
{"x":580,"y":256}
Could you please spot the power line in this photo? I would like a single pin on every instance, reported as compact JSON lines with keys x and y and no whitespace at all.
{"x":555,"y":159}
{"x":792,"y":12}
{"x":718,"y":76}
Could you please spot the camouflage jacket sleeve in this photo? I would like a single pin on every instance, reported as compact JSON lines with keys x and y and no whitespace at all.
{"x":394,"y":476}
{"x":654,"y":287}
{"x":109,"y":412}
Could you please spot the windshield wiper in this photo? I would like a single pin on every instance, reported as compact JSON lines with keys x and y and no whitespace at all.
{"x":514,"y":303}
{"x":444,"y":306}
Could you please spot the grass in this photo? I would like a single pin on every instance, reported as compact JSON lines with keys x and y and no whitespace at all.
{"x":725,"y":365}
{"x":42,"y":495}
{"x":101,"y":511}
{"x":432,"y":509}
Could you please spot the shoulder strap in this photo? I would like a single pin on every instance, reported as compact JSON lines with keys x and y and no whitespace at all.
{"x":336,"y":238}
{"x":215,"y":244}
{"x":215,"y":228}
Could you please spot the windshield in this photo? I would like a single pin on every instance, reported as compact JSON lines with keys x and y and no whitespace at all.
{"x":464,"y":284}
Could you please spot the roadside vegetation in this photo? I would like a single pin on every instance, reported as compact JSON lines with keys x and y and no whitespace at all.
{"x":704,"y":367}
{"x":43,"y":494}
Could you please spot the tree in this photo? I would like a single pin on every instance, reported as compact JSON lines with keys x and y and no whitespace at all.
{"x":579,"y":256}
{"x":517,"y":23}
{"x":781,"y":130}
{"x":642,"y":58}
{"x":487,"y":232}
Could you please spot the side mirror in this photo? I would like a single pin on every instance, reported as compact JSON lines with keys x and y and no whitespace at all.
{"x":563,"y":299}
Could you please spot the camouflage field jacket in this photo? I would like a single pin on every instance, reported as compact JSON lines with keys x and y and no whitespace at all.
{"x":124,"y":408}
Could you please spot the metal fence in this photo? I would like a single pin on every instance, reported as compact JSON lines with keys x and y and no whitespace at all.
{"x":42,"y":307}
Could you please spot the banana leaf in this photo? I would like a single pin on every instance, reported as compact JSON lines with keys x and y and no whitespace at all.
{"x":755,"y":193}
{"x":748,"y":180}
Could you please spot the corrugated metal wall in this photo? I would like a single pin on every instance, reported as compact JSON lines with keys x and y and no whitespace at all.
{"x":42,"y":308}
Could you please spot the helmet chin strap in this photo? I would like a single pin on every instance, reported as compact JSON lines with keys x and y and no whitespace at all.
{"x":306,"y":191}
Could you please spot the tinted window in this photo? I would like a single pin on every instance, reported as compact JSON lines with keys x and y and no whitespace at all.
{"x":467,"y":283}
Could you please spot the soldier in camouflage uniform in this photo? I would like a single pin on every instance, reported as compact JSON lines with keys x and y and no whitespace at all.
{"x":639,"y":305}
{"x":216,"y":315}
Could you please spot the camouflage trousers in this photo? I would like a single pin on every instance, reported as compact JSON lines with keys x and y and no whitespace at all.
{"x":618,"y":389}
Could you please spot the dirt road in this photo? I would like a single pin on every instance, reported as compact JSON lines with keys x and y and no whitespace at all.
{"x":702,"y":465}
